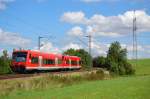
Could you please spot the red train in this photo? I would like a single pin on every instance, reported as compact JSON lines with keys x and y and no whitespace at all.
{"x":28,"y":60}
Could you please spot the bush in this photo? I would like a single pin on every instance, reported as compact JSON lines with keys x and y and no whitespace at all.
{"x":116,"y":60}
{"x":4,"y":66}
{"x":129,"y":69}
{"x":99,"y":62}
{"x":5,"y":63}
{"x":122,"y":70}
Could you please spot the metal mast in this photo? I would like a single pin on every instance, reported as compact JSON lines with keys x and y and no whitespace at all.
{"x":90,"y":46}
{"x":135,"y":56}
{"x":39,"y":42}
{"x":90,"y":41}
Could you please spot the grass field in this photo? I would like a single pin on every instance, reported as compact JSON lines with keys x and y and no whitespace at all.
{"x":142,"y":67}
{"x":130,"y":87}
{"x":134,"y":87}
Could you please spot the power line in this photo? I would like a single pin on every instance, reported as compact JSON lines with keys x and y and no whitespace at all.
{"x":81,"y":41}
{"x":39,"y":40}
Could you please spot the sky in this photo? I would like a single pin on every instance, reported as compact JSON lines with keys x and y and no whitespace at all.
{"x":65,"y":24}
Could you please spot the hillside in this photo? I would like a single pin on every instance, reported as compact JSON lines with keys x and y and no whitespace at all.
{"x":119,"y":88}
{"x":130,"y":87}
{"x":142,"y":67}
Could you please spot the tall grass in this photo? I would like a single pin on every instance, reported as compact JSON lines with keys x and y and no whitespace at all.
{"x":48,"y":81}
{"x":133,"y":87}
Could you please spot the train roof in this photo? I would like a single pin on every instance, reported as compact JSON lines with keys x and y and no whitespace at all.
{"x":33,"y":51}
{"x":38,"y":52}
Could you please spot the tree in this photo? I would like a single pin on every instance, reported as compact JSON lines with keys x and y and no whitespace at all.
{"x":84,"y":55}
{"x":117,"y":60}
{"x":70,"y":52}
{"x":99,"y":62}
{"x":5,"y":63}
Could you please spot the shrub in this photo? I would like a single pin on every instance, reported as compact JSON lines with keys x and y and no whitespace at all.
{"x":5,"y":65}
{"x":99,"y":62}
{"x":116,"y":60}
{"x":129,"y":69}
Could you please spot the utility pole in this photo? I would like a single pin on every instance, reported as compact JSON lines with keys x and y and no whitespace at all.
{"x":90,"y":41}
{"x":39,"y":42}
{"x":135,"y":45}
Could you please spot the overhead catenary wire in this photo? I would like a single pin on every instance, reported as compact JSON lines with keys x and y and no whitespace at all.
{"x":84,"y":43}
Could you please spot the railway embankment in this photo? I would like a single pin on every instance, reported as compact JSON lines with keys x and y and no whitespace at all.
{"x":51,"y":80}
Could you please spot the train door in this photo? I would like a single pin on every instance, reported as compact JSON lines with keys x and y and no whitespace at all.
{"x":56,"y":61}
{"x":70,"y":65}
{"x":78,"y":63}
{"x":40,"y":61}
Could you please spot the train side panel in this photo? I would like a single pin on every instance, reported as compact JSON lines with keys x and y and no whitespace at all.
{"x":44,"y":61}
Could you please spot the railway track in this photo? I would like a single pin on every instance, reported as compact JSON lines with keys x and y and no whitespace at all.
{"x":13,"y":76}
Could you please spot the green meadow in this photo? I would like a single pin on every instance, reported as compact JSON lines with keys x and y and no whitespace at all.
{"x":142,"y":66}
{"x":128,"y":87}
{"x":120,"y":88}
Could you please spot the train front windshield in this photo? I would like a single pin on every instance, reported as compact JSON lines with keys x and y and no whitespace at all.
{"x":19,"y":56}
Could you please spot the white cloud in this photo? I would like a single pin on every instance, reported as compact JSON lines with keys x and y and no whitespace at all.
{"x":147,"y":46}
{"x":139,"y":48}
{"x":121,"y":24}
{"x":74,"y":17}
{"x":111,"y":34}
{"x":143,"y":51}
{"x":48,"y":47}
{"x":72,"y":45}
{"x":109,"y":26}
{"x":99,"y":49}
{"x":3,"y":3}
{"x":143,"y":20}
{"x":113,"y":26}
{"x":76,"y":31}
{"x":13,"y":39}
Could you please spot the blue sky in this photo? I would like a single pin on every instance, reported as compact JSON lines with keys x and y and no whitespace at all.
{"x":67,"y":21}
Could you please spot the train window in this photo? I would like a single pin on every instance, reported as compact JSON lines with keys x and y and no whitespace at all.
{"x":73,"y":62}
{"x":34,"y":60}
{"x":19,"y":56}
{"x":48,"y":61}
{"x":67,"y":62}
{"x":59,"y":61}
